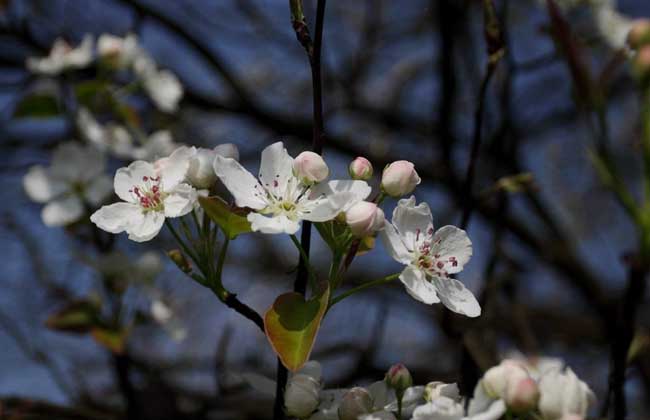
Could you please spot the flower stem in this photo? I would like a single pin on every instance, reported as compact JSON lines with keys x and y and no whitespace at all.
{"x":180,"y":242}
{"x":303,"y":255}
{"x":362,"y":287}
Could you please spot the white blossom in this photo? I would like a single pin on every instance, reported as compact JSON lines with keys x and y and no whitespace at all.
{"x":62,"y":57}
{"x":301,"y":396}
{"x":120,"y":51}
{"x":74,"y":180}
{"x":562,"y":393}
{"x":277,"y":197}
{"x":150,"y":195}
{"x":430,"y":257}
{"x":440,"y":408}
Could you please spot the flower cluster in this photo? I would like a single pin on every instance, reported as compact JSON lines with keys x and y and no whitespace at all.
{"x":516,"y":388}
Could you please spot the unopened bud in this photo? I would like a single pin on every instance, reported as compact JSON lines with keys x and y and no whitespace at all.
{"x":496,"y":380}
{"x":399,"y":178}
{"x":355,"y":402}
{"x":522,"y":396}
{"x":310,"y":168}
{"x":360,"y":168}
{"x":179,"y":259}
{"x":200,"y":173}
{"x":301,"y":396}
{"x":364,"y":218}
{"x":399,"y":378}
{"x":639,"y":35}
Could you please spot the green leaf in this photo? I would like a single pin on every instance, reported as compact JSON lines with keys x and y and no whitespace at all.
{"x":37,"y":106}
{"x":114,"y":340}
{"x":292,"y":324}
{"x":231,"y":223}
{"x":78,"y":317}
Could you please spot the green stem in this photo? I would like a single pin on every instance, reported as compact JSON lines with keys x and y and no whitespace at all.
{"x":182,"y":244}
{"x":363,"y":286}
{"x":305,"y":257}
{"x":222,"y":260}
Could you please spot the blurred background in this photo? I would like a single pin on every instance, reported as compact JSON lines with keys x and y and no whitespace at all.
{"x":401,"y":81}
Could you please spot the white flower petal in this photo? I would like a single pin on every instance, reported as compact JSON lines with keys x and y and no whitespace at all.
{"x":394,"y":245}
{"x":480,"y":400}
{"x":243,"y":186}
{"x":148,"y":227}
{"x":418,"y":287}
{"x":493,"y":412}
{"x":276,"y":168}
{"x":132,"y":175}
{"x":180,"y":201}
{"x":165,"y":89}
{"x":455,"y":296}
{"x":414,"y":223}
{"x":73,"y":162}
{"x":326,"y":200}
{"x":62,"y":211}
{"x":98,"y":190}
{"x":273,"y":225}
{"x":40,"y":186}
{"x":453,"y":247}
{"x":117,"y":217}
{"x":175,"y":168}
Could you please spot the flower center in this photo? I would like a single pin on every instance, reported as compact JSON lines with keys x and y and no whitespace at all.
{"x":149,"y":194}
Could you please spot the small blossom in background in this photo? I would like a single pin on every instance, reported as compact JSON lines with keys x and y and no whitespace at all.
{"x":356,"y":402}
{"x":430,"y":257}
{"x":200,"y":173}
{"x":279,"y":200}
{"x":117,"y":51}
{"x":360,"y":168}
{"x":74,"y":181}
{"x":150,"y":196}
{"x":399,"y":178}
{"x":63,"y":57}
{"x":162,"y":86}
{"x":364,"y":218}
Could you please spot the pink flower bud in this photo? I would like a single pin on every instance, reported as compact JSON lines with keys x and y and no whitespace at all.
{"x":364,"y":218}
{"x":399,"y":178}
{"x":522,"y":395}
{"x":639,"y":35}
{"x":360,"y":168}
{"x":496,"y":380}
{"x":356,"y":402}
{"x":399,"y":378}
{"x":310,"y":168}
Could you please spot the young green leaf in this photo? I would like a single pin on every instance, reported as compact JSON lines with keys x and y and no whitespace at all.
{"x":231,"y":223}
{"x":292,"y":324}
{"x":78,"y":317}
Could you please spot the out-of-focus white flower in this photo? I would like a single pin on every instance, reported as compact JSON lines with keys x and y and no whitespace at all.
{"x":119,"y":266}
{"x":356,"y":402}
{"x":437,"y":389}
{"x":227,"y":150}
{"x":360,"y":168}
{"x":301,"y":397}
{"x":484,"y":407}
{"x":164,"y":89}
{"x":113,"y":138}
{"x":378,"y":415}
{"x":497,"y":379}
{"x":74,"y":180}
{"x":440,"y":408}
{"x":277,"y":197}
{"x":63,"y":57}
{"x":399,"y":178}
{"x":563,"y":394}
{"x":430,"y":257}
{"x":522,"y":395}
{"x":310,"y":168}
{"x":536,"y":366}
{"x":149,"y":196}
{"x":364,"y":218}
{"x":612,"y":26}
{"x":117,"y":50}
